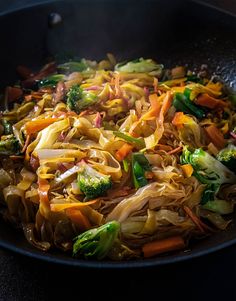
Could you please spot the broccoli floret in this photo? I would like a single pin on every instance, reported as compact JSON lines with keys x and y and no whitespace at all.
{"x":227,"y":156}
{"x":79,"y":99}
{"x":97,"y":242}
{"x":140,"y":65}
{"x":93,"y":183}
{"x":9,"y":147}
{"x":207,"y":169}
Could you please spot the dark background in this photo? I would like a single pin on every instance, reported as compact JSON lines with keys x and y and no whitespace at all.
{"x":212,"y":277}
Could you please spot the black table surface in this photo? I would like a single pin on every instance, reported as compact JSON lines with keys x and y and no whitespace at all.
{"x":212,"y":277}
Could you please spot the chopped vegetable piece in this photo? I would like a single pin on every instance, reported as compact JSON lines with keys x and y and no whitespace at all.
{"x":78,"y":218}
{"x":79,"y":99}
{"x":219,"y":206}
{"x":91,"y":182}
{"x":37,"y":125}
{"x":123,"y":152}
{"x":51,"y":81}
{"x":227,"y":156}
{"x":187,"y":169}
{"x":97,"y":242}
{"x":215,"y":136}
{"x":140,"y":164}
{"x":9,"y":147}
{"x":210,"y":102}
{"x":136,"y":141}
{"x":183,"y":104}
{"x":140,"y":65}
{"x":162,"y":246}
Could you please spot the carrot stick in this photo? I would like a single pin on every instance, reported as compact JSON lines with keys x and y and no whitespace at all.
{"x":194,"y":218}
{"x":166,"y":104}
{"x":215,"y":136}
{"x":34,"y":126}
{"x":43,"y":189}
{"x":162,"y":246}
{"x":60,"y":207}
{"x":187,"y":170}
{"x":78,"y":218}
{"x":208,"y":101}
{"x":175,"y":150}
{"x":125,"y":149}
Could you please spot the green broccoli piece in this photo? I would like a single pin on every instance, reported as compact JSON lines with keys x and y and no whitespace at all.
{"x":97,"y":242}
{"x":93,"y":183}
{"x":207,"y":169}
{"x":79,"y":99}
{"x":9,"y":147}
{"x":227,"y":156}
{"x":140,"y":65}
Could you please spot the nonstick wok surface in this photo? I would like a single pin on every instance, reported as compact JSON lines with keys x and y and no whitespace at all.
{"x":171,"y":32}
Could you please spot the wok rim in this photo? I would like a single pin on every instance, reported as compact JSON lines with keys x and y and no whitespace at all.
{"x":140,"y":263}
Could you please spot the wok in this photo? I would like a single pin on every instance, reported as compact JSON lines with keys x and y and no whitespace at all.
{"x":172,"y":32}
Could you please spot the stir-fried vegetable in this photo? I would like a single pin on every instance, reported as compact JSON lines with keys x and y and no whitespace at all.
{"x":96,"y":243}
{"x":183,"y":104}
{"x":78,"y":99}
{"x":93,"y":183}
{"x":140,"y":65}
{"x":117,"y":160}
{"x":9,"y":147}
{"x":227,"y":156}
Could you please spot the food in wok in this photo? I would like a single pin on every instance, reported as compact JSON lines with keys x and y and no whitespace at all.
{"x":117,"y":160}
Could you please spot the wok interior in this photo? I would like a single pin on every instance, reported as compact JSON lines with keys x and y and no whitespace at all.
{"x":180,"y":33}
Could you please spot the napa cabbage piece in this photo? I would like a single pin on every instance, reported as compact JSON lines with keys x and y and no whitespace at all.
{"x":97,"y":242}
{"x":207,"y":169}
{"x":140,"y":65}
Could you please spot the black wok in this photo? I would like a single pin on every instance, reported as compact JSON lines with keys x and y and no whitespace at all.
{"x":172,"y":32}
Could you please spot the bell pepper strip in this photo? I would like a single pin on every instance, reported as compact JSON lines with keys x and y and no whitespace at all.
{"x":35,"y":126}
{"x":60,"y":207}
{"x":78,"y":218}
{"x":215,"y":136}
{"x":123,"y":152}
{"x":180,"y":119}
{"x":136,"y":141}
{"x":187,"y":170}
{"x":153,"y":248}
{"x":210,"y":102}
{"x":183,"y":104}
{"x":140,"y":165}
